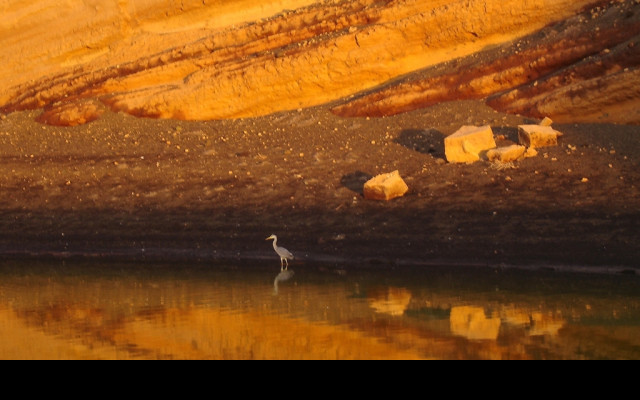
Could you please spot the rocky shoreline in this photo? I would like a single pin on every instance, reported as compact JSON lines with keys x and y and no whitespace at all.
{"x":143,"y":189}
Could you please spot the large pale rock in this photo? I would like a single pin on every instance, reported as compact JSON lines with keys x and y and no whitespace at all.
{"x":468,"y":143}
{"x":506,"y":154}
{"x":385,"y":187}
{"x":538,"y":136}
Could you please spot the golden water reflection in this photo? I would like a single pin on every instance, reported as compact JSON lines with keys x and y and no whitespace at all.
{"x":55,"y":311}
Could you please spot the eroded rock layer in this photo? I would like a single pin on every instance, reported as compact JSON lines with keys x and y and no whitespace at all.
{"x":583,"y":69}
{"x":201,"y":60}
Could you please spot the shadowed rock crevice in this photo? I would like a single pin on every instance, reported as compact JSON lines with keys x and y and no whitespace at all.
{"x":355,"y":181}
{"x":430,"y":141}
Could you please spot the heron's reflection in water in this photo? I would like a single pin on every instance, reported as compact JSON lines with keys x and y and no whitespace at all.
{"x":283,"y":276}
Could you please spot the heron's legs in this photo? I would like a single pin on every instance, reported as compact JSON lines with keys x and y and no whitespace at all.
{"x":283,"y":260}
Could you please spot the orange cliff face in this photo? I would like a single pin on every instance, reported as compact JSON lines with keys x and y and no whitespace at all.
{"x":229,"y":59}
{"x":582,"y":69}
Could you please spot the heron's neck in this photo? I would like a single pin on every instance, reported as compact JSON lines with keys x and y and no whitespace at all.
{"x":275,"y":241}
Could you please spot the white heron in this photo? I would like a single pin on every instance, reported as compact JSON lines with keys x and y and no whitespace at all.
{"x":285,"y":255}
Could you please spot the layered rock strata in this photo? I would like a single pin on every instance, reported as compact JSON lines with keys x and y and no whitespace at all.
{"x":582,"y":69}
{"x":201,"y":60}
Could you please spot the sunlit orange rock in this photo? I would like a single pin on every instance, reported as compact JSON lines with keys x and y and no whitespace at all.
{"x":506,"y":154}
{"x":546,"y":122}
{"x":538,"y":136}
{"x":468,"y":143}
{"x":385,"y":187}
{"x":530,"y":152}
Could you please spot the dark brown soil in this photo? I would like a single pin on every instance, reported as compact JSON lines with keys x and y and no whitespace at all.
{"x":213,"y":191}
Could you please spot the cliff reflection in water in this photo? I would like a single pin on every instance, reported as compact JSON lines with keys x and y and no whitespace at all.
{"x":53,"y":311}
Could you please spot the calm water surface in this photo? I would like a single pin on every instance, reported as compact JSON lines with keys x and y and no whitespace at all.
{"x":127,"y":311}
